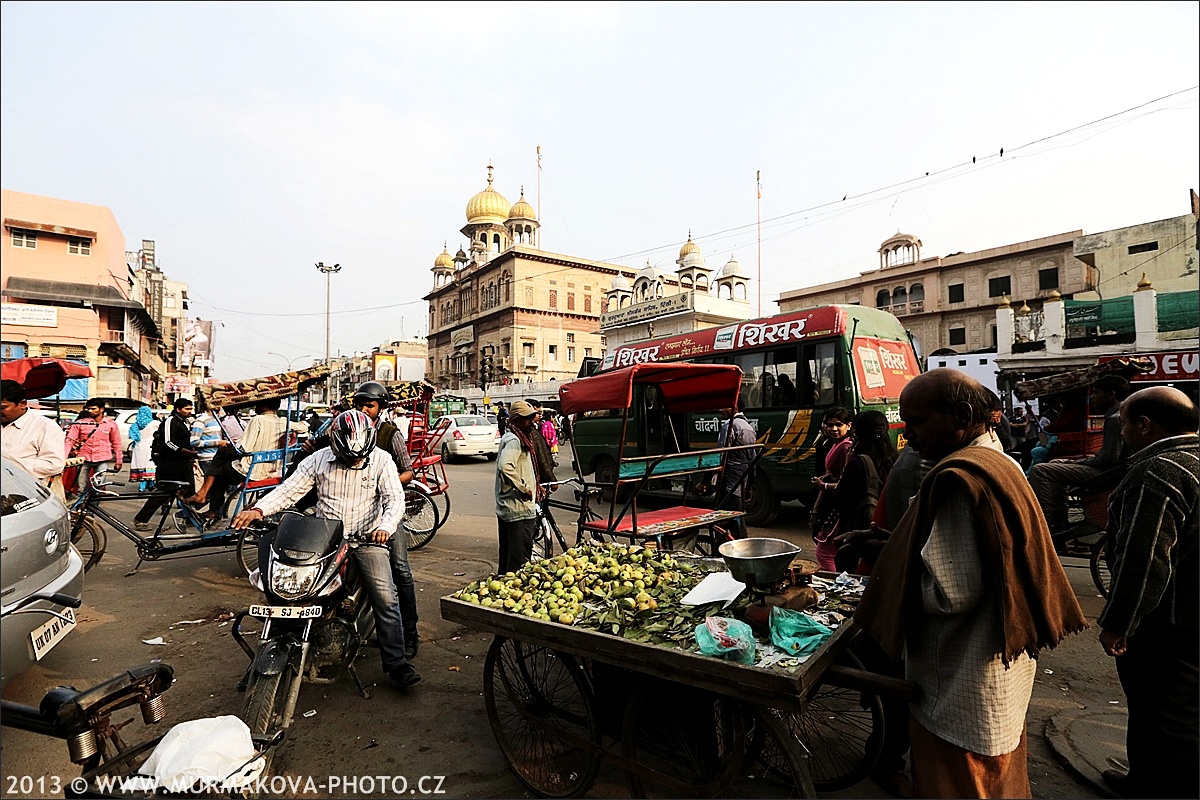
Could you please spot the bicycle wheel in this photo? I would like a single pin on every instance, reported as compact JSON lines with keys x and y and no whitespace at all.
{"x":1098,"y":562}
{"x":686,"y":742}
{"x":90,"y":540}
{"x":247,"y":550}
{"x":842,"y":728}
{"x":421,"y":517}
{"x":442,"y":499}
{"x":543,"y":540}
{"x":542,"y":713}
{"x":770,"y":743}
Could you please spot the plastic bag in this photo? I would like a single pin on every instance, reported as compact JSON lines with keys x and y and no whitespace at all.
{"x":214,"y":751}
{"x":796,"y":632}
{"x":726,"y":638}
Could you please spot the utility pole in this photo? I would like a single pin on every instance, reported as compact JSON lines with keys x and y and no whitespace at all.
{"x":758,"y":181}
{"x":329,"y":378}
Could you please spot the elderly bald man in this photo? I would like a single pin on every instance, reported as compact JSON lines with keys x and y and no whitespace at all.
{"x":1150,"y":623}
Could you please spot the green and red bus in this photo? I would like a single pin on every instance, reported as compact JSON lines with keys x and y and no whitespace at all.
{"x":794,"y":366}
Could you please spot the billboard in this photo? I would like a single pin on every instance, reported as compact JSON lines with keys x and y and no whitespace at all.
{"x":195,"y":346}
{"x":383,"y":367}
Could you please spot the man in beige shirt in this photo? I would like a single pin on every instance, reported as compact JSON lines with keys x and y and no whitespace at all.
{"x":33,"y":441}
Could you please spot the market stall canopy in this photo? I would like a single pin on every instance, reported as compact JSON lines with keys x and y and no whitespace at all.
{"x":683,"y":387}
{"x":1078,"y":378}
{"x":255,"y":390}
{"x":42,"y":377}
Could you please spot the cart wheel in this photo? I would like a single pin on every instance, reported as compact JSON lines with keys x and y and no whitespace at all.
{"x":771,"y":744}
{"x":1099,"y":566}
{"x":442,"y":500}
{"x":686,"y":742}
{"x":421,"y":517}
{"x":542,"y":714}
{"x":842,"y":728}
{"x":90,"y":540}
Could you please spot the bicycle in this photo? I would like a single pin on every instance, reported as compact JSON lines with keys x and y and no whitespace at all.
{"x":548,"y":532}
{"x":91,"y":540}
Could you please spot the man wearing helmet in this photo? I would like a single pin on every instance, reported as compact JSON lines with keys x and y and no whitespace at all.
{"x":358,"y":484}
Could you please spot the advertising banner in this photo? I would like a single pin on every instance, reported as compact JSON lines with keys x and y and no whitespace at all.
{"x":384,"y":367}
{"x":196,"y":343}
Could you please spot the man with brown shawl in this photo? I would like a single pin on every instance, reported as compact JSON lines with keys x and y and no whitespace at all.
{"x":967,"y":589}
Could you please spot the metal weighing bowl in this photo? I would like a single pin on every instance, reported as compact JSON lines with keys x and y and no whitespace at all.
{"x":758,"y":562}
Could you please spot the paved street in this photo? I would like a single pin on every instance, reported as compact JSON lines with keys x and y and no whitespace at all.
{"x":440,"y":727}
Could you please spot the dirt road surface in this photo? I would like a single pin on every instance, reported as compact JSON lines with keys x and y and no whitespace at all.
{"x":431,"y":740}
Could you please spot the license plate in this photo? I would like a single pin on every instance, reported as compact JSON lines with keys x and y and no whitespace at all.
{"x":285,"y":612}
{"x":44,"y":637}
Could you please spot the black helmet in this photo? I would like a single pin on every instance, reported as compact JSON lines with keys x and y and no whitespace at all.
{"x":372,"y":390}
{"x":352,"y":438}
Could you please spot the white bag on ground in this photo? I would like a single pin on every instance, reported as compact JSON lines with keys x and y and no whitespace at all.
{"x":209,"y":750}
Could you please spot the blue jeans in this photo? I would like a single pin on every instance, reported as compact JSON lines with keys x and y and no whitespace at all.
{"x":405,"y":587}
{"x":375,"y":570}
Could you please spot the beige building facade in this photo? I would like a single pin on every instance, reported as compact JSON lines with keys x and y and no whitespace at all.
{"x":1162,"y":252}
{"x":67,"y":294}
{"x":535,"y":313}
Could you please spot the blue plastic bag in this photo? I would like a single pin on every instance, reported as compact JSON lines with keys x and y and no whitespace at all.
{"x":726,"y":638}
{"x":796,"y":632}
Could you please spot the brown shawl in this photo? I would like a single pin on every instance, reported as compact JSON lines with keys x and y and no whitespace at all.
{"x":1037,"y":604}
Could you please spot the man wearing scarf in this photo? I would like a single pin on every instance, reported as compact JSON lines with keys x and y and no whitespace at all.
{"x":517,"y":488}
{"x":967,"y":589}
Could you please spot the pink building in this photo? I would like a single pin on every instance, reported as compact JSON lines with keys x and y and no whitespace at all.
{"x":66,"y":294}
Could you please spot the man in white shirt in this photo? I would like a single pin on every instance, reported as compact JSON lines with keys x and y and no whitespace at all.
{"x":358,"y":484}
{"x":33,"y":441}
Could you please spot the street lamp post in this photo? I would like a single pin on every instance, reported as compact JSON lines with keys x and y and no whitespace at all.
{"x":289,"y":361}
{"x":328,"y":272}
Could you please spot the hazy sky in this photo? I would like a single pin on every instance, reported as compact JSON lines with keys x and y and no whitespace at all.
{"x":252,"y":140}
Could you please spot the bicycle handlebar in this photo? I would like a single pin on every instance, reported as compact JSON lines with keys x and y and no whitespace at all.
{"x":57,"y":598}
{"x":556,"y":484}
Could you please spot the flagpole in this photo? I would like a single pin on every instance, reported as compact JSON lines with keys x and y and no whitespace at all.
{"x":758,"y":180}
{"x":539,"y":189}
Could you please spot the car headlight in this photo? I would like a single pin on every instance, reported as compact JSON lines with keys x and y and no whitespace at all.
{"x":291,"y":582}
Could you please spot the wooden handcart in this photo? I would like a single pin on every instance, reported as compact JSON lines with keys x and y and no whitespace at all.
{"x":562,"y":699}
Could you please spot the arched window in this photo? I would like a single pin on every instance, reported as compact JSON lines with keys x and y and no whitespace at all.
{"x":570,"y":302}
{"x":899,"y":296}
{"x":883,"y":299}
{"x":587,"y":304}
{"x":506,"y":279}
{"x":916,"y":293}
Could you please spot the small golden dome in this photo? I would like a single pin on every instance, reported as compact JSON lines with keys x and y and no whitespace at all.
{"x":689,"y":247}
{"x":1144,"y":283}
{"x":489,"y":206}
{"x":521,"y":209}
{"x":444,"y":260}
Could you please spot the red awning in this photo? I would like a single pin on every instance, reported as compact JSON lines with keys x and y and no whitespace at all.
{"x":683,"y":387}
{"x":42,"y":377}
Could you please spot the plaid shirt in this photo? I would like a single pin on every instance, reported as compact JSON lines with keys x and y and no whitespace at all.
{"x":1152,"y":537}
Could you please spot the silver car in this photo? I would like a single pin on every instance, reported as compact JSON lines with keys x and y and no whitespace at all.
{"x":35,"y":539}
{"x":468,"y":435}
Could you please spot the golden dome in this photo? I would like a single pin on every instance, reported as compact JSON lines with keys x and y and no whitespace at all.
{"x":489,"y":206}
{"x":444,"y":260}
{"x":521,"y":209}
{"x":689,"y":247}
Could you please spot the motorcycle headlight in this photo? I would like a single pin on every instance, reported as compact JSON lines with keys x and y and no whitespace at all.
{"x":291,"y":582}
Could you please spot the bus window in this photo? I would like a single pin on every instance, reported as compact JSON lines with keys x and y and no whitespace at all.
{"x":821,"y":365}
{"x":755,"y":380}
{"x":782,"y":364}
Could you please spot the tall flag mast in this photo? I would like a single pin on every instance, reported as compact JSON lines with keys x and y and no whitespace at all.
{"x":539,"y":187}
{"x":758,"y":180}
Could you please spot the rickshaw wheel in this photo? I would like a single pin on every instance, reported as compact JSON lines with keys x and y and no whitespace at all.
{"x":247,"y":550}
{"x":1099,"y":566}
{"x":537,"y":701}
{"x":771,"y":744}
{"x":421,"y":517}
{"x":843,"y":730}
{"x":686,"y":742}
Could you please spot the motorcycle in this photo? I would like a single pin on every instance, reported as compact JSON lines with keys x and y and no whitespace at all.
{"x":316,"y":617}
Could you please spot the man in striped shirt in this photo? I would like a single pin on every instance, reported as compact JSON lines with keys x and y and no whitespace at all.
{"x":1150,"y":622}
{"x":359,"y":485}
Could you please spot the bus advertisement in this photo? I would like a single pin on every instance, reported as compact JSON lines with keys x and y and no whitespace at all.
{"x":794,"y":367}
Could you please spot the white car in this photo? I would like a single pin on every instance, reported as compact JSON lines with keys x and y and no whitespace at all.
{"x":124,"y":417}
{"x":468,"y":435}
{"x":38,"y":559}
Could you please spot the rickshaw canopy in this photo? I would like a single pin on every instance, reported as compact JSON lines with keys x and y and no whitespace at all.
{"x":42,"y":377}
{"x":682,"y":387}
{"x":255,"y":390}
{"x":1079,"y":378}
